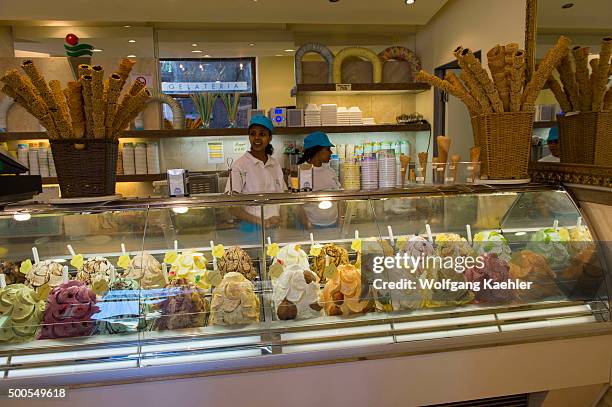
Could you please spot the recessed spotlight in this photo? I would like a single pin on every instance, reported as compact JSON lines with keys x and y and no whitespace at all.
{"x":206,"y":56}
{"x":21,"y":217}
{"x":278,"y":55}
{"x":289,"y":50}
{"x":131,"y":56}
{"x":127,"y":26}
{"x":568,"y":5}
{"x":97,"y":50}
{"x":131,"y":41}
{"x":410,"y":2}
{"x":180,"y":209}
{"x":194,"y":45}
{"x":196,"y":50}
{"x":251,"y":44}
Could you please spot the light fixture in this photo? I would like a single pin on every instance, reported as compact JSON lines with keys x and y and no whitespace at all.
{"x":131,"y":41}
{"x":127,"y":26}
{"x":206,"y":56}
{"x":325,"y":204}
{"x":131,"y":56}
{"x":60,"y":260}
{"x":180,"y":209}
{"x":22,"y":216}
{"x":568,"y":5}
{"x":194,"y":45}
{"x":410,"y":2}
{"x":520,"y":233}
{"x":289,"y":50}
{"x":251,"y":44}
{"x":196,"y":51}
{"x":278,"y":55}
{"x":97,"y":50}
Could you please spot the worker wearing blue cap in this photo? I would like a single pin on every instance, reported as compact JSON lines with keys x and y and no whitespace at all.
{"x":257,"y":172}
{"x":317,"y":152}
{"x":552,"y":143}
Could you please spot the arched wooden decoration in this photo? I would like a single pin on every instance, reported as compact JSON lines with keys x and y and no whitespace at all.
{"x":319,"y":49}
{"x":178,"y":115}
{"x":402,"y":54}
{"x":357,"y":52}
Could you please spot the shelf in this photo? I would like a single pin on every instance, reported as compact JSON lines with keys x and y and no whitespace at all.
{"x":162,"y":134}
{"x":359,"y":88}
{"x":544,"y":125}
{"x":121,"y":178}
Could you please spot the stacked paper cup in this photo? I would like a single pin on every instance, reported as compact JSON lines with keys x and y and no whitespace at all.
{"x":33,"y":160}
{"x":153,"y":158}
{"x":128,"y":159}
{"x":43,"y":163}
{"x":52,"y":171}
{"x":387,"y":175}
{"x":350,"y":176}
{"x":140,"y":158}
{"x":369,"y":172}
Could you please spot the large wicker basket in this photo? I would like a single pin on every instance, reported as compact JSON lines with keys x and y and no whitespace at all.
{"x":85,"y":167}
{"x":586,"y":138}
{"x":505,"y":144}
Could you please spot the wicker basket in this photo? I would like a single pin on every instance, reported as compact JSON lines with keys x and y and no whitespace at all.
{"x":505,"y":144}
{"x":85,"y":167}
{"x":586,"y":138}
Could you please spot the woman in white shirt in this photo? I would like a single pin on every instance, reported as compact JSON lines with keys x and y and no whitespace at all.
{"x":257,"y":172}
{"x":317,"y":152}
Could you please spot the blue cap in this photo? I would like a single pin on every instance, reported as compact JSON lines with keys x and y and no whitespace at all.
{"x":553,"y":134}
{"x":262,"y":121}
{"x":318,"y":138}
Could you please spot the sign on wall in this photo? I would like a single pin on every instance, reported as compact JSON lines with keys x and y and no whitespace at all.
{"x":217,"y":86}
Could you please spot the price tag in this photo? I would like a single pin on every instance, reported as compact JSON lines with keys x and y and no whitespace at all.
{"x":420,"y":179}
{"x":343,"y":87}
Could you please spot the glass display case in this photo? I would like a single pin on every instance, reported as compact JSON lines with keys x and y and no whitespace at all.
{"x":116,"y":288}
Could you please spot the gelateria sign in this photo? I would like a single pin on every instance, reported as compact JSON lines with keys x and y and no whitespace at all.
{"x":189,"y":87}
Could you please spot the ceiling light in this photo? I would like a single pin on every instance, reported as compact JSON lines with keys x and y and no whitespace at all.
{"x":131,"y":56}
{"x":278,"y":55}
{"x":289,"y":50}
{"x":180,"y":209}
{"x":196,"y":50}
{"x":251,"y":44}
{"x":410,"y":2}
{"x":20,"y":217}
{"x":127,"y":26}
{"x":568,"y":5}
{"x":194,"y":45}
{"x":131,"y":41}
{"x":97,"y":50}
{"x":325,"y":204}
{"x":206,"y":56}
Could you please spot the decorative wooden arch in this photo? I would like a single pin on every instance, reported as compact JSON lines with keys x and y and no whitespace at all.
{"x":320,"y":49}
{"x":357,"y":52}
{"x":178,"y":115}
{"x":402,"y":54}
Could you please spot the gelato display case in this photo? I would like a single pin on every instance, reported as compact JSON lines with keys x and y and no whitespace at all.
{"x":156,"y":288}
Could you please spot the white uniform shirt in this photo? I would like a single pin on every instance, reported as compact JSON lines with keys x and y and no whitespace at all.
{"x":251,"y":176}
{"x":325,"y":179}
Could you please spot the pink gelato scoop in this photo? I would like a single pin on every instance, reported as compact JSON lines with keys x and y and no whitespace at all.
{"x":496,"y":270}
{"x":70,"y":307}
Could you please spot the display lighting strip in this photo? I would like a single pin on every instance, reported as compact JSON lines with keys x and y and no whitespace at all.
{"x":199,"y":357}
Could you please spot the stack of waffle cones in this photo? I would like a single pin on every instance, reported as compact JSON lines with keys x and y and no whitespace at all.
{"x":580,"y":90}
{"x":505,"y":90}
{"x":87,"y":108}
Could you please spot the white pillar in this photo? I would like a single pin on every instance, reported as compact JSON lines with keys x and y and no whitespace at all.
{"x":7,"y":48}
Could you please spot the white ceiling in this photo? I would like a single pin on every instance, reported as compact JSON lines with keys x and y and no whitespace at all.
{"x":586,"y":16}
{"x":238,"y":11}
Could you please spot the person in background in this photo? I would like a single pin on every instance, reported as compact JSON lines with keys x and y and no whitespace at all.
{"x":257,"y":172}
{"x":317,"y":152}
{"x":553,"y":145}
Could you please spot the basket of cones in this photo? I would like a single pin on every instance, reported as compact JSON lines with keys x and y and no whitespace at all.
{"x":83,"y":121}
{"x":501,"y":104}
{"x":585,"y":131}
